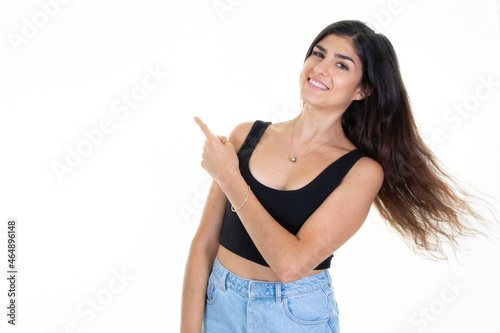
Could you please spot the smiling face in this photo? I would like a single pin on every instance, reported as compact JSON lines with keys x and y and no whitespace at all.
{"x":331,"y":76}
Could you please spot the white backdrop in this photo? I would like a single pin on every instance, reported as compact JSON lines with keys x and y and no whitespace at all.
{"x":100,"y":155}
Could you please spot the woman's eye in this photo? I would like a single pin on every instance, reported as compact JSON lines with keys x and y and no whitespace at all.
{"x":342,"y":66}
{"x":318,"y":54}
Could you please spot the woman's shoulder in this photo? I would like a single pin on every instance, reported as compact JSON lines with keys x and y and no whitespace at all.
{"x":368,"y":171}
{"x":365,"y":164}
{"x":240,"y":133}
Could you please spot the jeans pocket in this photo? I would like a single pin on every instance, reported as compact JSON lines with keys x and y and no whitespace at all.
{"x":212,"y":289}
{"x":309,"y":308}
{"x":332,"y":301}
{"x":333,"y":308}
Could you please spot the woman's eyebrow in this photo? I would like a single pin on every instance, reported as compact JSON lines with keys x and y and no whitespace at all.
{"x":337,"y":55}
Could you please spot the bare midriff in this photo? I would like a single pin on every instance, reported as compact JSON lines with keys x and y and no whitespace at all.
{"x":248,"y":269}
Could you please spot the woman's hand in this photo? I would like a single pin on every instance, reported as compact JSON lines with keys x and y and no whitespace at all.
{"x":219,"y":158}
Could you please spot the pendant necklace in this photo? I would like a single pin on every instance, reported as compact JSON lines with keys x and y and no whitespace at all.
{"x":294,"y":158}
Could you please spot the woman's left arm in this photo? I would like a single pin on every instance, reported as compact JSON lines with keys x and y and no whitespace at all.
{"x":336,"y":220}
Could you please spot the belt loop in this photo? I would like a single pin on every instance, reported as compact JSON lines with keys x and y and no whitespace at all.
{"x":223,"y":279}
{"x":278,"y":292}
{"x":329,"y":277}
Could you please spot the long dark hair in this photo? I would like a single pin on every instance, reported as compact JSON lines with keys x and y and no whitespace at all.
{"x":418,"y":198}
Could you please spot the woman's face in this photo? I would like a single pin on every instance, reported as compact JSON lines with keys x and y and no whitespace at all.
{"x":331,"y":75}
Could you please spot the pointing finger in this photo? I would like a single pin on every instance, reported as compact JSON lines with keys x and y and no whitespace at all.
{"x":204,"y":128}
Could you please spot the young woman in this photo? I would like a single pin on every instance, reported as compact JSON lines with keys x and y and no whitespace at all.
{"x":286,"y":196}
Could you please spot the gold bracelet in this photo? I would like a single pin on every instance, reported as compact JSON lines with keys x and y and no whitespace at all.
{"x":244,"y":202}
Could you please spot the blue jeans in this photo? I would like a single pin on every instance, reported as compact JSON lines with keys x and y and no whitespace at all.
{"x":235,"y":304}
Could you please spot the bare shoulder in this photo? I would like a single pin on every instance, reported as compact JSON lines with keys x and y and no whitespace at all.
{"x":366,"y":172}
{"x":240,"y":133}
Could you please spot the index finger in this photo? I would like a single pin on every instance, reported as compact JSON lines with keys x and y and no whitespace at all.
{"x":204,"y":128}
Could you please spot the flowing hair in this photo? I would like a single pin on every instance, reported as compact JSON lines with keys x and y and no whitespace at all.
{"x":424,"y":204}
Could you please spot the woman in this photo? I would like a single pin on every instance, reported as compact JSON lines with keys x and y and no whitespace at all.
{"x":286,"y":196}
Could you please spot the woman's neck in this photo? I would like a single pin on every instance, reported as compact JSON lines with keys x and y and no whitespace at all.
{"x":315,"y":126}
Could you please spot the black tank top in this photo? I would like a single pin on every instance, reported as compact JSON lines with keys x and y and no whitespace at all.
{"x":289,"y":208}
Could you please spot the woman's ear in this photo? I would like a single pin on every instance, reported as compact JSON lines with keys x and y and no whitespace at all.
{"x":363,"y":92}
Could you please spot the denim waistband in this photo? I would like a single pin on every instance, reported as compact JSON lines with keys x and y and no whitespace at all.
{"x":256,"y":288}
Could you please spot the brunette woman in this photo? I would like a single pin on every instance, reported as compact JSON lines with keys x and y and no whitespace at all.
{"x":286,"y":196}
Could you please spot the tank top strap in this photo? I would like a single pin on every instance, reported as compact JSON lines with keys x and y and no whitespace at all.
{"x":336,"y":171}
{"x":253,"y":138}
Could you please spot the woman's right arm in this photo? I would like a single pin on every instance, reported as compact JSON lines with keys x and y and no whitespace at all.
{"x":201,"y":257}
{"x":204,"y":248}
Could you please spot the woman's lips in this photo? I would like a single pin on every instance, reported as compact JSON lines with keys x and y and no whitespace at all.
{"x":317,"y":84}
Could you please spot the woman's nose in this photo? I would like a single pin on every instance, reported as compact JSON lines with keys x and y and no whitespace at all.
{"x":321,"y":68}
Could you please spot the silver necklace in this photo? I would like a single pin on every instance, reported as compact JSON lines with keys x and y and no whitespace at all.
{"x":294,"y":158}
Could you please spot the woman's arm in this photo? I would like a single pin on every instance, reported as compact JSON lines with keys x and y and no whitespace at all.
{"x":203,"y":251}
{"x":337,"y":219}
{"x":199,"y":263}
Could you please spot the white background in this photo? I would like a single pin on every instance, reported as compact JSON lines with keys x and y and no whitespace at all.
{"x":131,"y":206}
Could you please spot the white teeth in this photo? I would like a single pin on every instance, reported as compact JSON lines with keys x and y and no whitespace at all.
{"x":317,"y":84}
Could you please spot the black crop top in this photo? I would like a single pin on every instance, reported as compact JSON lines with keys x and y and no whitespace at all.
{"x":289,"y":208}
